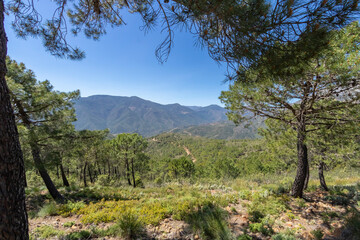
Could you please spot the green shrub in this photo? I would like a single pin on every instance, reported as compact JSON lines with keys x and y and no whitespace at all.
{"x":129,"y":226}
{"x":318,"y":234}
{"x":139,"y":182}
{"x":102,"y":180}
{"x":353,"y":223}
{"x":283,"y":236}
{"x":69,"y":224}
{"x":82,"y":235}
{"x":244,"y":237}
{"x":46,"y":232}
{"x":70,"y":208}
{"x":49,"y":209}
{"x":209,"y":222}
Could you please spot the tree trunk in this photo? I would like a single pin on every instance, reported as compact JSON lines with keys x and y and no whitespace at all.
{"x":44,"y":174}
{"x":109,"y":168}
{"x":321,"y":176}
{"x":90,"y":175}
{"x":133,"y":172}
{"x":63,"y":176}
{"x":84,"y":173}
{"x":13,"y":215}
{"x":307,"y":177}
{"x":298,"y":185}
{"x":57,"y":171}
{"x":127,"y":170}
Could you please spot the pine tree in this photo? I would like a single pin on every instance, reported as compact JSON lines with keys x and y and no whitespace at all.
{"x":46,"y":115}
{"x":323,"y":94}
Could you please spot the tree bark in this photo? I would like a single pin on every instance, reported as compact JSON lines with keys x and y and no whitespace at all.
{"x":127,"y":170}
{"x":298,"y":185}
{"x":307,"y":177}
{"x":321,"y":176}
{"x":44,"y":174}
{"x":63,"y":176}
{"x":90,"y":175}
{"x":13,"y":215}
{"x":84,"y":173}
{"x":133,"y":172}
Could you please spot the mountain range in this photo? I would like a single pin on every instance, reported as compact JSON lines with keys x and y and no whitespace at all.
{"x":136,"y":115}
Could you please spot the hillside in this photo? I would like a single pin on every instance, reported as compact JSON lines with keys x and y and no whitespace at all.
{"x":136,"y":115}
{"x":224,"y":130}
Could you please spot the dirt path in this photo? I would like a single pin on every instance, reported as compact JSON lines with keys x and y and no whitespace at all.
{"x":189,"y":154}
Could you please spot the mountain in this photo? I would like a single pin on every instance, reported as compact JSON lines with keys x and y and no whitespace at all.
{"x":136,"y":115}
{"x":224,"y":130}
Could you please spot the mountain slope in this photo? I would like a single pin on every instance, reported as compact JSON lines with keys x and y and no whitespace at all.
{"x":133,"y":114}
{"x":224,"y":130}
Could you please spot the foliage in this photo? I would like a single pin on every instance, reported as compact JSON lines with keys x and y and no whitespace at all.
{"x":209,"y":222}
{"x":129,"y":225}
{"x":46,"y":232}
{"x":307,"y":98}
{"x":82,"y":235}
{"x":318,"y":234}
{"x":69,"y":224}
{"x":181,"y":168}
{"x":49,"y":209}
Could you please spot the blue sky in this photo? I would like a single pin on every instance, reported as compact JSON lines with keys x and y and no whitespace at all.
{"x":123,"y":63}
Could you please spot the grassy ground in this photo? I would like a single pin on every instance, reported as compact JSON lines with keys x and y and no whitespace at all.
{"x":256,"y":207}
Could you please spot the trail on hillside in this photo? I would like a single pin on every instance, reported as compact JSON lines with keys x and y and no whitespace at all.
{"x":189,"y":154}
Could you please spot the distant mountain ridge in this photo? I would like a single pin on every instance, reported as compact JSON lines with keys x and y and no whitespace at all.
{"x":136,"y":115}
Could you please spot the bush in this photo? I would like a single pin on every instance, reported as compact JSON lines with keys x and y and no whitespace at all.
{"x":69,"y":224}
{"x":49,"y":209}
{"x":70,"y":208}
{"x":102,"y":180}
{"x":46,"y":232}
{"x":78,"y":235}
{"x":318,"y":234}
{"x":283,"y":236}
{"x":209,"y":222}
{"x":129,"y":226}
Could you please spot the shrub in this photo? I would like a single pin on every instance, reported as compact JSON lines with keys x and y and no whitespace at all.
{"x":49,"y":209}
{"x":129,"y":226}
{"x":209,"y":222}
{"x":46,"y":232}
{"x":69,"y":224}
{"x":102,"y":180}
{"x":78,"y":235}
{"x":283,"y":236}
{"x":318,"y":234}
{"x":70,"y":208}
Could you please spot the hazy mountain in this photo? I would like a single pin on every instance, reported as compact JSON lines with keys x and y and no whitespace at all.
{"x":133,"y":114}
{"x":224,"y":130}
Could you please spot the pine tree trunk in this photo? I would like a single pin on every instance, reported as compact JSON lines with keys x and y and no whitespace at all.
{"x":307,"y":177}
{"x":13,"y":215}
{"x":44,"y":174}
{"x":90,"y":175}
{"x":133,"y":172}
{"x":298,"y":185}
{"x":127,"y":170}
{"x":63,"y":176}
{"x":321,"y":176}
{"x":84,"y":173}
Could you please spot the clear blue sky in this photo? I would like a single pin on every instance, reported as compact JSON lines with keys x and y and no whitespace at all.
{"x":123,"y":63}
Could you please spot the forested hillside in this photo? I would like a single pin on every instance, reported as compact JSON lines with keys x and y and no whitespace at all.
{"x":135,"y":115}
{"x":224,"y":130}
